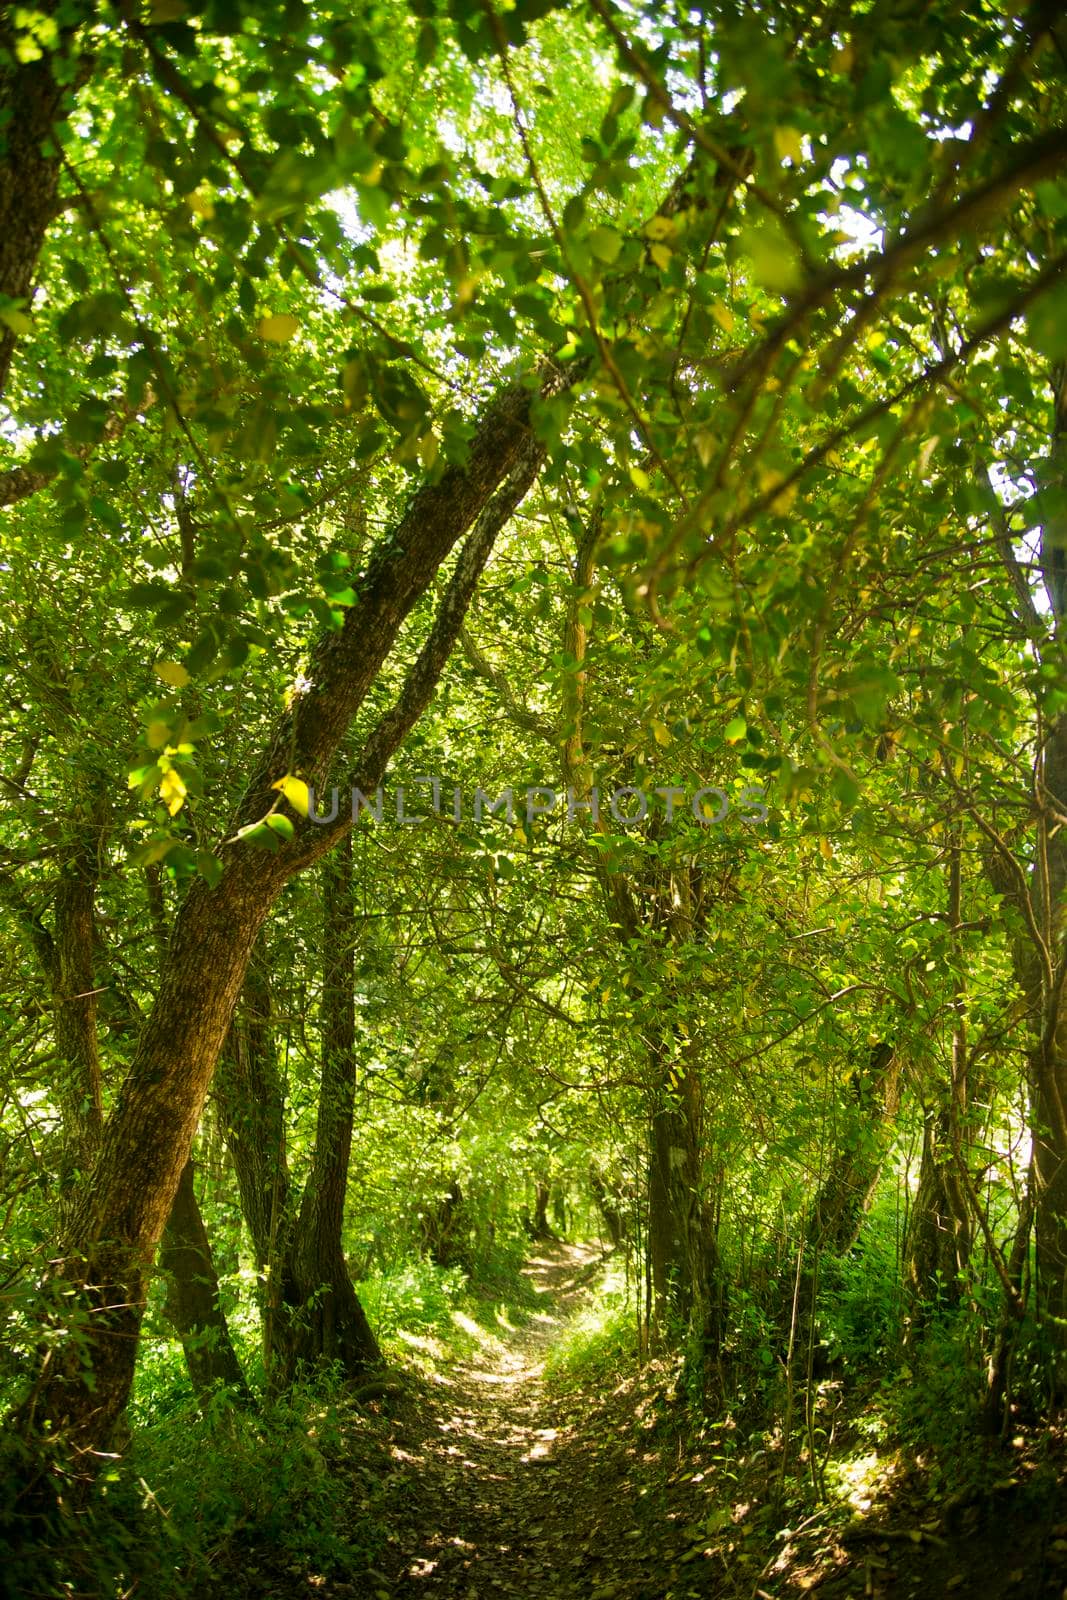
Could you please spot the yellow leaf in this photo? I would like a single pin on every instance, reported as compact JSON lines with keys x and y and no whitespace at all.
{"x":705,"y":446}
{"x":16,"y":320}
{"x":660,"y":228}
{"x":172,"y":672}
{"x":201,"y":203}
{"x":640,"y":478}
{"x":826,"y":850}
{"x":788,"y":146}
{"x":172,"y":791}
{"x":295,"y":791}
{"x":769,"y":479}
{"x":157,"y":734}
{"x":279,"y":328}
{"x":723,"y":316}
{"x":660,"y":733}
{"x":661,"y":255}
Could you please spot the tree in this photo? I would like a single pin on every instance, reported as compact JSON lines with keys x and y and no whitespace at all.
{"x":751,"y":335}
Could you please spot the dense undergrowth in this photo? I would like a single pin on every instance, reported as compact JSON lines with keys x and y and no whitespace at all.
{"x":265,"y":1496}
{"x":283,"y":1495}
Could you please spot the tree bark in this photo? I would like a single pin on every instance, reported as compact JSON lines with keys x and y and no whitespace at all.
{"x":35,"y":98}
{"x":1036,"y":888}
{"x":74,"y":1007}
{"x":64,"y":955}
{"x":848,"y":1189}
{"x":193,"y":1303}
{"x":686,"y":1271}
{"x":684,"y":1261}
{"x":610,"y":1202}
{"x":248,"y":1095}
{"x":442,"y":1226}
{"x":940,"y":1232}
{"x":327,"y":1323}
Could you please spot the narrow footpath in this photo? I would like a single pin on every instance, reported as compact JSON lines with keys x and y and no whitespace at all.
{"x":500,"y":1483}
{"x":496,"y":1472}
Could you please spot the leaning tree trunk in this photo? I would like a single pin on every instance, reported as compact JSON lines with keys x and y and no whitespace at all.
{"x":193,"y":1303}
{"x":34,"y":102}
{"x":64,"y":955}
{"x":193,"y":1297}
{"x":1048,"y":1062}
{"x":327,"y":1323}
{"x":74,"y":1006}
{"x":247,"y":1091}
{"x":82,"y":1390}
{"x":610,"y":1202}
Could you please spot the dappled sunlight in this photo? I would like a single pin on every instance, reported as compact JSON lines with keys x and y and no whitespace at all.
{"x":419,"y":1341}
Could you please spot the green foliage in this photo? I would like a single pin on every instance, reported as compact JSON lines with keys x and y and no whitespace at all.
{"x":245,"y":1489}
{"x":415,"y":1300}
{"x":933,"y":1402}
{"x":599,"y":1345}
{"x":798,"y":279}
{"x":860,"y":1305}
{"x":212,"y":1497}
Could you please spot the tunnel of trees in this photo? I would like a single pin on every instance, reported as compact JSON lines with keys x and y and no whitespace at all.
{"x":533,"y":578}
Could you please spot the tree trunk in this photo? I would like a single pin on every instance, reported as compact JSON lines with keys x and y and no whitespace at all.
{"x":148,"y":1138}
{"x":74,"y":1009}
{"x":940,"y":1232}
{"x":327,"y":1322}
{"x":64,"y":956}
{"x":540,"y":1230}
{"x":683,"y":1248}
{"x":848,"y":1189}
{"x":193,"y":1296}
{"x":442,"y":1227}
{"x":686,"y":1271}
{"x":1036,"y":888}
{"x":34,"y":99}
{"x":1048,"y":1061}
{"x":248,"y":1095}
{"x":609,"y":1202}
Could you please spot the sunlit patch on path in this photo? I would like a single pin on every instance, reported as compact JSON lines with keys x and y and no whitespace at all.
{"x":491,"y":1476}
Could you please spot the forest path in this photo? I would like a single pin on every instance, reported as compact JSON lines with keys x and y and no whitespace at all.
{"x":501,"y":1490}
{"x":500,"y":1482}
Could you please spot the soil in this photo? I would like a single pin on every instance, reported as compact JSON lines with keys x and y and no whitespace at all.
{"x":500,"y":1482}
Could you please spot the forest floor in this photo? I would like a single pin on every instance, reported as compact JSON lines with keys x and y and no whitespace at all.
{"x":500,"y":1481}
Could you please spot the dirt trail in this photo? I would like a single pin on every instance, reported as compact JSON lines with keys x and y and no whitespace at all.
{"x":500,"y":1484}
{"x":497,"y":1493}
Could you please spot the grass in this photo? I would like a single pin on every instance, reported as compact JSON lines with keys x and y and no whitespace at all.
{"x":599,"y":1343}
